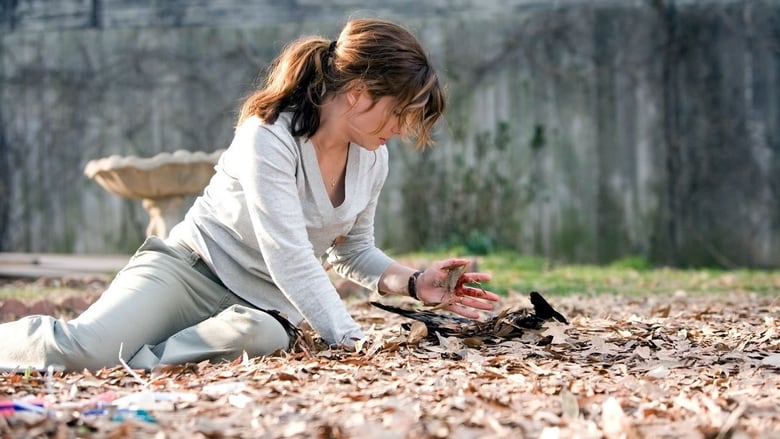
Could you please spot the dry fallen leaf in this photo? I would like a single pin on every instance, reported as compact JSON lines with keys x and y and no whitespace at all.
{"x":658,"y":372}
{"x":417,"y":332}
{"x":569,"y":405}
{"x":772,"y":360}
{"x":614,"y":422}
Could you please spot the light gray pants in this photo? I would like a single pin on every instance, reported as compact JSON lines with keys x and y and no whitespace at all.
{"x":164,"y":307}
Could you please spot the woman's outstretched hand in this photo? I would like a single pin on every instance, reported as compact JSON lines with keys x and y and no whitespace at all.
{"x":443,"y":284}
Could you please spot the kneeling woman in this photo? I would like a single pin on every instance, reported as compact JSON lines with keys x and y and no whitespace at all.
{"x":296,"y":189}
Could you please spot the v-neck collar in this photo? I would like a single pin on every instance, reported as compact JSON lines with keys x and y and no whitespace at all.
{"x":317,"y":183}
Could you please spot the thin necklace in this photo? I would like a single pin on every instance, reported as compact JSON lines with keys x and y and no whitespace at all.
{"x":333,"y":180}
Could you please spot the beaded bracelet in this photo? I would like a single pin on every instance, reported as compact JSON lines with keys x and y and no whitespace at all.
{"x":413,"y":284}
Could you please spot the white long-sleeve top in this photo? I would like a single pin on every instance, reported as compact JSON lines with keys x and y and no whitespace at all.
{"x":265,"y":224}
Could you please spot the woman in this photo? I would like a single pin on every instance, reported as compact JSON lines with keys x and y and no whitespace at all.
{"x":296,"y":189}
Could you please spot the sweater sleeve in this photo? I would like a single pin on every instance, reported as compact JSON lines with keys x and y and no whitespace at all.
{"x":266,"y":168}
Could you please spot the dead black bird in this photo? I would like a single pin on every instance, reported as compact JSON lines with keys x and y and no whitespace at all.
{"x":507,"y":324}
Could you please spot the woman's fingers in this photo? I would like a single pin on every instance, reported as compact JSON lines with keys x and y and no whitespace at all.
{"x":448,"y":264}
{"x":475,"y":277}
{"x":475,"y":303}
{"x":478,"y":293}
{"x":458,"y":308}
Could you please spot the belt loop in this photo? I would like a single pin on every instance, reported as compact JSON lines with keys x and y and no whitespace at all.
{"x":183,"y":250}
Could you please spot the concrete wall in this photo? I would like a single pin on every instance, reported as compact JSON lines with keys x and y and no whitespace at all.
{"x":578,"y":130}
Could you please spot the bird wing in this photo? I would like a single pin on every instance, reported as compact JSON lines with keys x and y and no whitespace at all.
{"x":505,"y":325}
{"x":544,"y":310}
{"x":445,"y":324}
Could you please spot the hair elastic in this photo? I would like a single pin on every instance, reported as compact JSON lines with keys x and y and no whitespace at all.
{"x":332,"y":47}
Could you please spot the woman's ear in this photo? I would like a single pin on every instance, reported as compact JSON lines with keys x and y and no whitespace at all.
{"x":354,"y":91}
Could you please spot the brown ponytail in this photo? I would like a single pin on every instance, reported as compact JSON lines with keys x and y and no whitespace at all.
{"x":387,"y":58}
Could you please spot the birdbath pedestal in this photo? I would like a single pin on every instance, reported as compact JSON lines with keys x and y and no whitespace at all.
{"x":161,"y":181}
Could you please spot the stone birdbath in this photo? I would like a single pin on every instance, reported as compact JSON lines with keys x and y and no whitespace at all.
{"x":162,"y":182}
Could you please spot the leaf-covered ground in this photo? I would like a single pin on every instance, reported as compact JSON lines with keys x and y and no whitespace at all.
{"x":674,"y":366}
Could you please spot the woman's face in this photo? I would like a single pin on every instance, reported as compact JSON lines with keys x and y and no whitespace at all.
{"x":365,"y":121}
